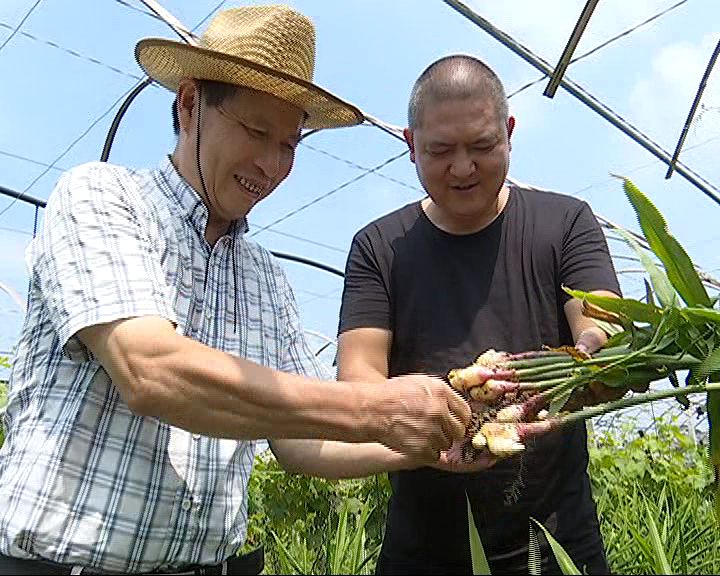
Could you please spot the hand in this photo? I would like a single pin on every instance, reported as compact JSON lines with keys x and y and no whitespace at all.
{"x":451,"y":460}
{"x":420,"y":416}
{"x":591,"y":340}
{"x":594,"y":393}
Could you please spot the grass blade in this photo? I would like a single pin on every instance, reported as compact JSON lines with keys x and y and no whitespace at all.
{"x":480,"y":563}
{"x":567,"y":566}
{"x":662,"y":563}
{"x":678,"y":266}
{"x":285,"y":555}
{"x":340,"y":547}
{"x":713,"y":412}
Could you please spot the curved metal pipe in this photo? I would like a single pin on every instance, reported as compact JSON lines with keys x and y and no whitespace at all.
{"x":118,"y":117}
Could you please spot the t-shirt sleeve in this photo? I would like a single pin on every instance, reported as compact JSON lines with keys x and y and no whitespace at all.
{"x":366,"y":294}
{"x":94,"y":261}
{"x":586,"y":263}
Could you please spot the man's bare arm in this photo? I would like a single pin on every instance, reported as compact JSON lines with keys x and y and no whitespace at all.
{"x":587,"y":335}
{"x":363,"y":354}
{"x":330,"y":459}
{"x":192,"y":386}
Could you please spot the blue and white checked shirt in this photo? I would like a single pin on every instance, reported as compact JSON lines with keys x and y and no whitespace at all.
{"x":83,"y":480}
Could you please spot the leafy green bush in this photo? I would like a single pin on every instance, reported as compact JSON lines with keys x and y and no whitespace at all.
{"x":669,"y":473}
{"x":314,"y":526}
{"x":665,"y":469}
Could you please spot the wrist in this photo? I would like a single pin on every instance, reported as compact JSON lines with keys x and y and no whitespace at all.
{"x":371,"y":403}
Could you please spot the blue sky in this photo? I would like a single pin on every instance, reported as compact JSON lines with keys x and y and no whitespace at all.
{"x":370,"y":52}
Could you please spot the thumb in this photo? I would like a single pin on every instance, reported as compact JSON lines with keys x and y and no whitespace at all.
{"x":590,"y":340}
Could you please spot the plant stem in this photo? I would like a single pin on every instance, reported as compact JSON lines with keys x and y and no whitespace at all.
{"x":571,"y":363}
{"x":540,"y":385}
{"x":635,"y":400}
{"x":549,"y":357}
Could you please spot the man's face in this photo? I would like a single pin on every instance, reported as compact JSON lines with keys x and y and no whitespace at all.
{"x":247,"y":148}
{"x":461,"y":150}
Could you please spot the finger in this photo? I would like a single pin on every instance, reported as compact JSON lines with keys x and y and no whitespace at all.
{"x":458,"y":406}
{"x":454,"y":428}
{"x":445,"y":441}
{"x":590,"y":340}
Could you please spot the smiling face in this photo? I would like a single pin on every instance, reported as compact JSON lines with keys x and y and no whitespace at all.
{"x":247,"y":148}
{"x":461,"y":150}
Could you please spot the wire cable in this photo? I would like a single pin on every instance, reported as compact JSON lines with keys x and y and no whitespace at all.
{"x":604,"y":44}
{"x":138,"y":9}
{"x":30,"y":160}
{"x":17,"y":28}
{"x":359,"y":167}
{"x":73,"y":53}
{"x":69,"y":147}
{"x":330,"y":193}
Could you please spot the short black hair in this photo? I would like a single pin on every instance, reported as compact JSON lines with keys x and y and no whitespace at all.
{"x":456,"y":76}
{"x":214,"y":93}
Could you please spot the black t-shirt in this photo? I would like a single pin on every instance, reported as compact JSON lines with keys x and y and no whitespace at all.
{"x":448,"y":298}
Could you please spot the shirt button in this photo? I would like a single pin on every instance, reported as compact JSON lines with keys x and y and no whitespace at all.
{"x":196,"y":436}
{"x":186,"y":504}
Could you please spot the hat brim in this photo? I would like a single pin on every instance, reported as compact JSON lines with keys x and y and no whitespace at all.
{"x":167,"y":62}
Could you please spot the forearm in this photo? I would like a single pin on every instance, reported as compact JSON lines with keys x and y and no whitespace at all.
{"x":335,"y":460}
{"x":203,"y":390}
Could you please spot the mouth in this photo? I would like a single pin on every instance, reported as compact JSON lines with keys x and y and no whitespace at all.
{"x":252,"y":190}
{"x":464,"y":187}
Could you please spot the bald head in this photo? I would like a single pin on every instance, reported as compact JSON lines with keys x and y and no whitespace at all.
{"x":457,"y":77}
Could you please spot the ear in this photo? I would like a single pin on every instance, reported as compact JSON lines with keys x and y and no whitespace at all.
{"x":187,"y":94}
{"x":410,"y":142}
{"x":510,"y":126}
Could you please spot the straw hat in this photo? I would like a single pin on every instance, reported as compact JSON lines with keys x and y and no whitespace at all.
{"x":268,"y":48}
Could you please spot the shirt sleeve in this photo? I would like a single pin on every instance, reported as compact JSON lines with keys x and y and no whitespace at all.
{"x":298,"y":358}
{"x":586,"y":263}
{"x":95,"y":261}
{"x":366,"y":295}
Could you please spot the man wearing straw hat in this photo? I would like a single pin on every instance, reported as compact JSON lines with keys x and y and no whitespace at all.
{"x":160,"y":342}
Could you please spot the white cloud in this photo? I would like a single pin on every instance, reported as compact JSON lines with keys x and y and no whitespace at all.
{"x":545,"y":27}
{"x":661,"y":100}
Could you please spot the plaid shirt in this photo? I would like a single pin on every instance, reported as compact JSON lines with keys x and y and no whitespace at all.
{"x":83,"y":480}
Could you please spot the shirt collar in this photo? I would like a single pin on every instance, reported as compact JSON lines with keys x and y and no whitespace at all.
{"x":190,"y":202}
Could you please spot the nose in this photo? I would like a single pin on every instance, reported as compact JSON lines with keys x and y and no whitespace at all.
{"x":462,"y":165}
{"x":268,"y":160}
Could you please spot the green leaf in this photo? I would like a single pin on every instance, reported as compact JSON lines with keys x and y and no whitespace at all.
{"x":661,"y":285}
{"x":558,"y":403}
{"x":713,"y":412}
{"x":682,"y":552}
{"x":339,"y":548}
{"x":648,"y":293}
{"x":663,"y":565}
{"x":567,"y":566}
{"x":678,"y":266}
{"x":683,"y":400}
{"x":609,"y":329}
{"x":480,"y":563}
{"x":628,"y":307}
{"x":285,"y":553}
{"x":709,"y":365}
{"x":701,"y":314}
